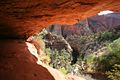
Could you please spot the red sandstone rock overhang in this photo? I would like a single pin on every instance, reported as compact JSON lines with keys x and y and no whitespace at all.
{"x":22,"y":18}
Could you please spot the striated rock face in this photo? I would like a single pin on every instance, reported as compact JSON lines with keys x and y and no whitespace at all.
{"x":22,"y":18}
{"x":94,"y":24}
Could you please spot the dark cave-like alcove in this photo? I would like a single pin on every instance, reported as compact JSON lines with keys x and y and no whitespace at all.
{"x":75,"y":55}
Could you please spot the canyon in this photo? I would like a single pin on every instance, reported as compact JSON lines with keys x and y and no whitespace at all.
{"x":20,"y":19}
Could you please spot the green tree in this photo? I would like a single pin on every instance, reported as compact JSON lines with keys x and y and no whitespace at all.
{"x":110,"y":63}
{"x":60,"y":60}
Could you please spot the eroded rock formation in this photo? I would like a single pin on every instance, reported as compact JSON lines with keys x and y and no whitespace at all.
{"x":22,"y":18}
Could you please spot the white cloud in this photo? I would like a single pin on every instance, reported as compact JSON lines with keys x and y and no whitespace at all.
{"x":105,"y":12}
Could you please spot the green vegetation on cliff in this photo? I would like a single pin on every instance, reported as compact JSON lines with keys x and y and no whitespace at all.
{"x":98,"y":52}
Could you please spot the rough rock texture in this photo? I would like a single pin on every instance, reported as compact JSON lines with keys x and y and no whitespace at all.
{"x":55,"y":73}
{"x":17,"y":63}
{"x":22,"y":18}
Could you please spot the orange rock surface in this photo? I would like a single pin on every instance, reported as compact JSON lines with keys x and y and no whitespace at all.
{"x":17,"y":63}
{"x":22,"y":18}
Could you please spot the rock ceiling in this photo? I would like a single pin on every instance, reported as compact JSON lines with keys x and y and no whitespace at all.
{"x":22,"y":18}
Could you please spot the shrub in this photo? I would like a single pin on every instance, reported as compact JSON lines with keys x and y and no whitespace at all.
{"x":59,"y":60}
{"x":47,"y":51}
{"x":114,"y":74}
{"x":90,"y":58}
{"x":63,"y":70}
{"x":45,"y":59}
{"x":110,"y":63}
{"x":115,"y":46}
{"x":105,"y":36}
